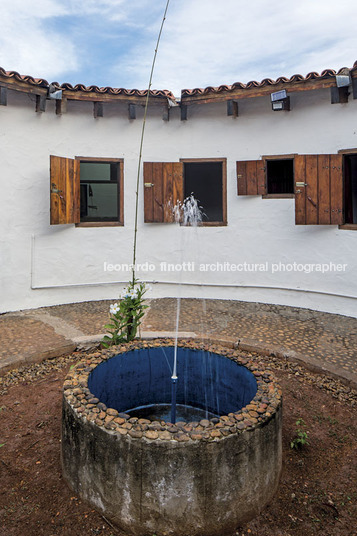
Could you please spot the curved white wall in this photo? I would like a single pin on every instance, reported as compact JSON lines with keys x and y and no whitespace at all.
{"x":46,"y":265}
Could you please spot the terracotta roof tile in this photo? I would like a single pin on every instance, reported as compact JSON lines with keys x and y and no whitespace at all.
{"x":41,"y":82}
{"x":327,"y":73}
{"x":33,"y":81}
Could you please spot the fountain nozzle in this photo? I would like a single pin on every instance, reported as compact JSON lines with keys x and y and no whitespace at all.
{"x":173,"y":398}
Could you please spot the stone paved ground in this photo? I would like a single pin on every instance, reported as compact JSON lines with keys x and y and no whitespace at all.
{"x":321,"y":339}
{"x":26,"y":339}
{"x":321,"y":336}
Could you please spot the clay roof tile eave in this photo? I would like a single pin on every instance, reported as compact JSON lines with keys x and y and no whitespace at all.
{"x":296,"y":78}
{"x":158,"y":93}
{"x":41,"y":82}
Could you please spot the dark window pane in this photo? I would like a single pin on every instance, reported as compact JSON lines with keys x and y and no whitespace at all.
{"x":99,"y":201}
{"x":204,"y":181}
{"x":95,"y":171}
{"x":99,"y":191}
{"x":350,"y":176}
{"x":280,"y":176}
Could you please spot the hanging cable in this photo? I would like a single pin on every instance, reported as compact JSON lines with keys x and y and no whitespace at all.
{"x":142,"y":140}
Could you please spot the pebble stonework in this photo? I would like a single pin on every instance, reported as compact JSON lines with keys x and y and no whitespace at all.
{"x":151,"y":477}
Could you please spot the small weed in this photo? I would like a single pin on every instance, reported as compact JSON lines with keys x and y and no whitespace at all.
{"x":332,"y":420}
{"x":337,"y":436}
{"x":343,"y":439}
{"x":319,"y":418}
{"x":301,"y":438}
{"x":2,"y":444}
{"x":315,"y":520}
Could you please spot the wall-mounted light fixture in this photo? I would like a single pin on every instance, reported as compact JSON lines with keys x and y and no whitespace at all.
{"x":340,"y":92}
{"x":54,"y":92}
{"x":280,"y":101}
{"x":343,"y":80}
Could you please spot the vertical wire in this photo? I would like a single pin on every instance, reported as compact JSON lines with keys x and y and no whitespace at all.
{"x":142,"y":141}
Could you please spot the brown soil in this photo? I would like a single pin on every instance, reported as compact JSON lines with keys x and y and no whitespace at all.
{"x":317,"y":494}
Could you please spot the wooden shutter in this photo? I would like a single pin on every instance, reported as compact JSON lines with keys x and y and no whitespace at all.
{"x":163,"y":187}
{"x":251,"y":177}
{"x":65,"y":189}
{"x":318,"y":189}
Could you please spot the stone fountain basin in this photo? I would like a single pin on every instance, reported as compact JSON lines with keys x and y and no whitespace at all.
{"x":151,"y":477}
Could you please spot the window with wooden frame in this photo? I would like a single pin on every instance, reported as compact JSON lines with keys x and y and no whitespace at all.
{"x":322,"y":189}
{"x":87,"y":191}
{"x":271,"y":177}
{"x":166,"y":183}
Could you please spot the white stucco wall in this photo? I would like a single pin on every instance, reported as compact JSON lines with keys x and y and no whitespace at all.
{"x":46,"y":265}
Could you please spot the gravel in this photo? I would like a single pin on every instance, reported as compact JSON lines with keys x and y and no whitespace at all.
{"x":40,"y":371}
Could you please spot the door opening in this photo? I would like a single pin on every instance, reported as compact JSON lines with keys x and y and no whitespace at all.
{"x":350,"y":188}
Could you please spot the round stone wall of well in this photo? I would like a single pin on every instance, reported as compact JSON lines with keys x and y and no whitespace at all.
{"x":148,"y":476}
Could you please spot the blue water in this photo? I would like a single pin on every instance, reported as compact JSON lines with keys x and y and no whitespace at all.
{"x":207,"y":381}
{"x":162,"y":412}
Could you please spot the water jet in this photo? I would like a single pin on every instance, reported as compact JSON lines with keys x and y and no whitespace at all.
{"x":148,"y":476}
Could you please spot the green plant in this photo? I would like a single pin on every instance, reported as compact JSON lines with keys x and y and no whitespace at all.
{"x":319,"y":418}
{"x":332,"y":420}
{"x":125,"y":316}
{"x":301,"y":438}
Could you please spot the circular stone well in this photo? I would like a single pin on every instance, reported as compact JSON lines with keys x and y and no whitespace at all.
{"x":148,"y":476}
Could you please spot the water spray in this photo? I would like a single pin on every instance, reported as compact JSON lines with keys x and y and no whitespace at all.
{"x":174,"y":372}
{"x":188,"y":213}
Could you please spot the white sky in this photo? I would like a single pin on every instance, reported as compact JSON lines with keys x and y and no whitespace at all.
{"x":204,"y":42}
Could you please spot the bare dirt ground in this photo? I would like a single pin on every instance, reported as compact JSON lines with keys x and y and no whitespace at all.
{"x":317,"y":493}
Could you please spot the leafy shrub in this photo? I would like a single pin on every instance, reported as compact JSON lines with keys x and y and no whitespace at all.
{"x":125,"y":316}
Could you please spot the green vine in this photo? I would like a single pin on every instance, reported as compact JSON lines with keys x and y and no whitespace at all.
{"x":125,"y":316}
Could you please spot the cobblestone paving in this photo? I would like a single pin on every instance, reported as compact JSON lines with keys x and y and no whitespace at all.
{"x":327,"y":338}
{"x":88,"y":317}
{"x":22,"y":338}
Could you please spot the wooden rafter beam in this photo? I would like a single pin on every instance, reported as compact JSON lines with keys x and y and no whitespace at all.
{"x":240,"y":93}
{"x":183,"y":112}
{"x":61,"y":106}
{"x":40,"y":103}
{"x":92,"y":96}
{"x":3,"y":96}
{"x":98,"y":110}
{"x":354,"y":87}
{"x":232,"y":108}
{"x":339,"y":95}
{"x":166,"y":114}
{"x":24,"y":87}
{"x":132,"y":111}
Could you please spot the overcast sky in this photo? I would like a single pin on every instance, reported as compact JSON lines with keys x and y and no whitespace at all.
{"x":204,"y":42}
